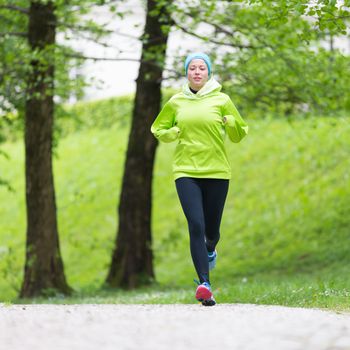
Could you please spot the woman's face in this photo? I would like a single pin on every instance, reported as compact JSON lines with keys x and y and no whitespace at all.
{"x":197,"y":74}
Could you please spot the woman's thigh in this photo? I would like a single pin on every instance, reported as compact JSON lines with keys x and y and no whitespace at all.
{"x":214,"y":193}
{"x":191,"y":199}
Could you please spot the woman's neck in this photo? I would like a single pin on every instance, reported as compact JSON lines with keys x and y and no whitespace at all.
{"x":194,"y":91}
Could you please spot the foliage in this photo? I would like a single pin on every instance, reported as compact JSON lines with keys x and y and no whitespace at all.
{"x":273,"y":57}
{"x":16,"y":56}
{"x":327,"y":15}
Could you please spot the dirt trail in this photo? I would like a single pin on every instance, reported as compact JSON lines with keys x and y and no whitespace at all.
{"x":167,"y":327}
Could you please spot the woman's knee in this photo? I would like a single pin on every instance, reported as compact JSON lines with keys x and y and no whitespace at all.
{"x":196,"y":228}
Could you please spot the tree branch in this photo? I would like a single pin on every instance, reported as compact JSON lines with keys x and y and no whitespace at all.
{"x":221,"y":43}
{"x":96,"y":41}
{"x":116,"y":59}
{"x":22,"y":35}
{"x":100,"y":58}
{"x":78,"y":28}
{"x":15,"y":8}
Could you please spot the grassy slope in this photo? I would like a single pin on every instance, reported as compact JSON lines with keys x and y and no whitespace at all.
{"x":285,"y":230}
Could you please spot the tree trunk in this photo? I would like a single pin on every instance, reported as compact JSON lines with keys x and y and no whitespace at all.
{"x":132,"y":259}
{"x":43,"y":272}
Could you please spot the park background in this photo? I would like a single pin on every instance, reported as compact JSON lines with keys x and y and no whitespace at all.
{"x":285,"y":230}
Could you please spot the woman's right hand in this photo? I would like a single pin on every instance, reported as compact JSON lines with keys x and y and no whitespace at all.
{"x":177,"y":129}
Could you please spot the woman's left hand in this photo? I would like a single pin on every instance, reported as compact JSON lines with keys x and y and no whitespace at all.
{"x":221,"y":120}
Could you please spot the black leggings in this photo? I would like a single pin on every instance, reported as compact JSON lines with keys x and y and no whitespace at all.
{"x":202,"y":201}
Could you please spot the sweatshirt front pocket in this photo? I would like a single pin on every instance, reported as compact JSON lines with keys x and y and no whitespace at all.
{"x":193,"y":158}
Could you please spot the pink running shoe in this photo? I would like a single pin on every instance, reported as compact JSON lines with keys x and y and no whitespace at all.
{"x":204,"y":294}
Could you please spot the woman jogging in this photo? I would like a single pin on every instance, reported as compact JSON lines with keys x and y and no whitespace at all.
{"x":199,"y":117}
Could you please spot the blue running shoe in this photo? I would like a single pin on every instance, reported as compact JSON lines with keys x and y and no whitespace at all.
{"x":204,"y":294}
{"x":212,"y":259}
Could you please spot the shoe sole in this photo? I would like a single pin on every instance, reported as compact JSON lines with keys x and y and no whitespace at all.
{"x":209,"y":302}
{"x":205,"y":296}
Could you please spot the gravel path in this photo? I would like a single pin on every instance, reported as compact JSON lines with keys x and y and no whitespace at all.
{"x":167,"y":327}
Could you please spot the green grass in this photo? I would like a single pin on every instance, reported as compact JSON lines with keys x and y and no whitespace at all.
{"x":323,"y":290}
{"x":285,"y":231}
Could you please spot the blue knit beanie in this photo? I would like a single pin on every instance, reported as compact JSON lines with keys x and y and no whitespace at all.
{"x":198,"y":55}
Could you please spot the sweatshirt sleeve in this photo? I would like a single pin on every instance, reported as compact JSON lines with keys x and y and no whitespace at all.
{"x":163,"y":128}
{"x":235,"y":126}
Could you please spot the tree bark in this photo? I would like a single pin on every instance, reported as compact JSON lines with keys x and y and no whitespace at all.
{"x":43,"y":271}
{"x":132,"y":258}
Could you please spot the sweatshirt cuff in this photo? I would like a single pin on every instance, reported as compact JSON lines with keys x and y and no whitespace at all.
{"x":231,"y":121}
{"x":168,"y":135}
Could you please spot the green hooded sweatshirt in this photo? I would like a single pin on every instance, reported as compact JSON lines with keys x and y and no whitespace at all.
{"x":197,"y":122}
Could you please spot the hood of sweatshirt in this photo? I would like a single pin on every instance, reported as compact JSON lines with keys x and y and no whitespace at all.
{"x":209,"y":87}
